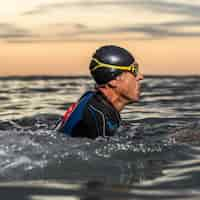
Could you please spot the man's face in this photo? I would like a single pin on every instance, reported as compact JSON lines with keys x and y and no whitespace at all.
{"x":129,"y":86}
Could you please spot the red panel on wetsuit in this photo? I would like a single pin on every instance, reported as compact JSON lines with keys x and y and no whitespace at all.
{"x":69,"y":111}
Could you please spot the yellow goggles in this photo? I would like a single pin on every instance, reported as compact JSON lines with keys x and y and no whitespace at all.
{"x":134,"y":68}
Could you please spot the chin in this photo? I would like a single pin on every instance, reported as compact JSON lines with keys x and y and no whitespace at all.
{"x":136,"y":98}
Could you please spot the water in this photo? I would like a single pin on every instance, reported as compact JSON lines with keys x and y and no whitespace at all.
{"x":154,"y":155}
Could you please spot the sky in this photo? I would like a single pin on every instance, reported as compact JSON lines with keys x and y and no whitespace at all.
{"x":58,"y":37}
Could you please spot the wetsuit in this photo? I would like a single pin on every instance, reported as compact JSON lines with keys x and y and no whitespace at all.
{"x":92,"y":116}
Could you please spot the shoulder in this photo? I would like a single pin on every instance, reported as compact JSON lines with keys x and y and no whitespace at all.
{"x":74,"y":114}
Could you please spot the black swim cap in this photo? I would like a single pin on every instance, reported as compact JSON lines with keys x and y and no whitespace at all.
{"x":109,"y":55}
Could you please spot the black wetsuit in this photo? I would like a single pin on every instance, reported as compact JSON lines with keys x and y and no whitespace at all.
{"x":91,"y":117}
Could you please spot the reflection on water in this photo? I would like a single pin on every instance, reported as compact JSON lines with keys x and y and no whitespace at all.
{"x":93,"y":190}
{"x":154,"y":155}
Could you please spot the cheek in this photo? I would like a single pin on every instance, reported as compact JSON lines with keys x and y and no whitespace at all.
{"x":131,"y":84}
{"x":128,"y":86}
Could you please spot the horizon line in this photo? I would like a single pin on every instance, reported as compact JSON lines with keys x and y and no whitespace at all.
{"x":35,"y":77}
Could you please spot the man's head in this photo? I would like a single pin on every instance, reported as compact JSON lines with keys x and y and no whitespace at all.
{"x":114,"y":67}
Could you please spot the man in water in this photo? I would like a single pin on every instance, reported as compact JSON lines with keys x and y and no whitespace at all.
{"x":117,"y":78}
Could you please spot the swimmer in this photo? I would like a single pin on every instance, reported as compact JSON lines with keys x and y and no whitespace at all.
{"x":97,"y":113}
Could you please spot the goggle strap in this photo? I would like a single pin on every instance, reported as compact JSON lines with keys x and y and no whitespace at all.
{"x":100,"y":64}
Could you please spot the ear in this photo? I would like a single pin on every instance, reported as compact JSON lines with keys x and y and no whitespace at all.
{"x":112,"y":83}
{"x":115,"y":82}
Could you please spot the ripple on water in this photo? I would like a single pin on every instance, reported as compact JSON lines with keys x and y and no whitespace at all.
{"x":154,"y":155}
{"x":3,"y":98}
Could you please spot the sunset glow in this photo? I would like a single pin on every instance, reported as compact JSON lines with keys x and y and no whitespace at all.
{"x":52,"y":37}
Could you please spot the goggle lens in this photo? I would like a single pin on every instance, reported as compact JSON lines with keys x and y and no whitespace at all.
{"x":135,"y":69}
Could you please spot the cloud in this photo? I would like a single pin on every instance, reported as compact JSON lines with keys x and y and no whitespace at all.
{"x":160,"y":6}
{"x":166,"y":29}
{"x":147,"y":31}
{"x":80,"y":26}
{"x":184,"y":23}
{"x":80,"y":32}
{"x":10,"y":31}
{"x":154,"y":30}
{"x":16,"y":34}
{"x":163,"y":6}
{"x":83,"y":33}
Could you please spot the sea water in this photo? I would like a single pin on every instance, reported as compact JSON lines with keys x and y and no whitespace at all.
{"x":155,"y":154}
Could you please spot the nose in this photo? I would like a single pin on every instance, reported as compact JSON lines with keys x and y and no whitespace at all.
{"x":140,"y":77}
